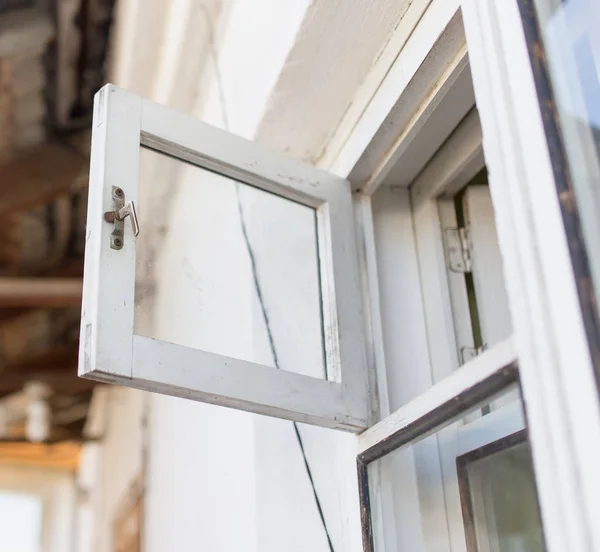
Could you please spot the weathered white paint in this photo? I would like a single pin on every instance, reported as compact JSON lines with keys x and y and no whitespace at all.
{"x":411,"y":80}
{"x":445,"y":297}
{"x":412,"y":13}
{"x":367,"y":254}
{"x":475,"y":371}
{"x":121,"y":121}
{"x":108,"y":290}
{"x":454,"y":164}
{"x":316,"y":82}
{"x":191,"y":140}
{"x":216,"y":379}
{"x":410,"y":481}
{"x":404,"y":335}
{"x":556,"y":373}
{"x":431,"y":125}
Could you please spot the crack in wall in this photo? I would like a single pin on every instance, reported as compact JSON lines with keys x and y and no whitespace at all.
{"x":257,"y":287}
{"x":273,"y":349}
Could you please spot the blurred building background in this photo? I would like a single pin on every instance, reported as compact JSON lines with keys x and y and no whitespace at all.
{"x":52,"y":58}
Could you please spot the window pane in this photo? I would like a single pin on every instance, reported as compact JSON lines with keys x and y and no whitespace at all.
{"x":497,"y":486}
{"x":468,"y":486}
{"x":571,"y":41}
{"x":20,"y":522}
{"x":227,"y":268}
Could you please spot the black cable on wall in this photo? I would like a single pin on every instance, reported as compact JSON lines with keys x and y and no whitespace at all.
{"x":259,"y":293}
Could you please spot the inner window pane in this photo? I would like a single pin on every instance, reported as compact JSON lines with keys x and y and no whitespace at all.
{"x":497,"y":487}
{"x":468,"y":486}
{"x":571,"y":41}
{"x":227,"y":268}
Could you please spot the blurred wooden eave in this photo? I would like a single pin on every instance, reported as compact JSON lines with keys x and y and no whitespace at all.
{"x":56,"y":456}
{"x":40,"y":292}
{"x":45,"y":173}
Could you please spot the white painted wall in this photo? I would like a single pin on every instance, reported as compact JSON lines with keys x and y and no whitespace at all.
{"x":250,"y":55}
{"x":113,"y":466}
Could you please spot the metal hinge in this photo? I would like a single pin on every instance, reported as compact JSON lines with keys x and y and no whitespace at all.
{"x":469,"y":353}
{"x":458,"y":249}
{"x":116,"y":217}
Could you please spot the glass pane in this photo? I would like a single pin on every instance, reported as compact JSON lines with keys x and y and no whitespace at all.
{"x":500,"y":510}
{"x":571,"y":40}
{"x":468,"y":486}
{"x":20,"y":522}
{"x":227,"y":268}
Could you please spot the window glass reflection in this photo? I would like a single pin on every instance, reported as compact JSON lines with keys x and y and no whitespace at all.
{"x":468,"y":486}
{"x":571,"y":41}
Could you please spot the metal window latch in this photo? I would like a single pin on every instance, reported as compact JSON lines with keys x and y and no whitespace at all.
{"x":117,"y":217}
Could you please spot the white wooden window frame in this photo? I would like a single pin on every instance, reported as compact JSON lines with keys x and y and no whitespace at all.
{"x":448,"y":328}
{"x":555,"y":366}
{"x":110,"y":351}
{"x":447,"y":314}
{"x":556,"y":374}
{"x":494,"y":369}
{"x":474,"y":384}
{"x":445,"y":298}
{"x":444,"y":293}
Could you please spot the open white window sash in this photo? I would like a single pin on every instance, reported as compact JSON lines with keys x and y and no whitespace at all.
{"x":109,"y":349}
{"x":474,"y":384}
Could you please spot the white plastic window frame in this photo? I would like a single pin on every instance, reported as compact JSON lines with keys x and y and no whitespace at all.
{"x":109,"y":349}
